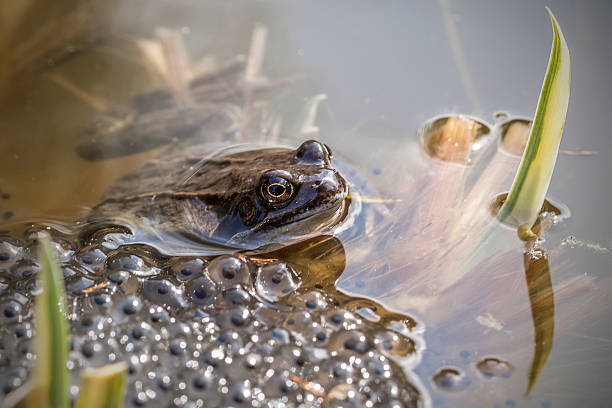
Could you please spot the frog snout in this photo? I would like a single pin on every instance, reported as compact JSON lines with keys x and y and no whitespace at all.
{"x":330,"y":184}
{"x":313,"y":152}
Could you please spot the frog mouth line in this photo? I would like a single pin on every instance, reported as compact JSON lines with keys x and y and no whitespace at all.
{"x":308,"y":213}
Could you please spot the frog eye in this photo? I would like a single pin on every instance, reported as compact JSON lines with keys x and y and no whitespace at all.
{"x":277,"y":190}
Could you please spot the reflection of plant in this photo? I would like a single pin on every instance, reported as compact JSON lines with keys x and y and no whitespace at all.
{"x":100,"y":387}
{"x":523,"y":203}
{"x":533,"y":177}
{"x":452,"y":252}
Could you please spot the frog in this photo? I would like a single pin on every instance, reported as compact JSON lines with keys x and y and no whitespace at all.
{"x":238,"y":196}
{"x":208,"y":186}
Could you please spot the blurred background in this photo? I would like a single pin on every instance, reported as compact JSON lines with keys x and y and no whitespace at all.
{"x":387,"y":67}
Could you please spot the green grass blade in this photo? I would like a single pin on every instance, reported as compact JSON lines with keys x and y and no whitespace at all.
{"x":528,"y":191}
{"x":102,"y":387}
{"x":52,"y":330}
{"x":49,"y":386}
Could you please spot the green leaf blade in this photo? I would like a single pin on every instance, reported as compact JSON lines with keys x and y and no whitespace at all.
{"x":531,"y":182}
{"x":51,"y":373}
{"x":103,"y":387}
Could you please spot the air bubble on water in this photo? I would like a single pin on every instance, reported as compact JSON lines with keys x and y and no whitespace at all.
{"x":451,"y":379}
{"x":491,"y":367}
{"x":500,"y":116}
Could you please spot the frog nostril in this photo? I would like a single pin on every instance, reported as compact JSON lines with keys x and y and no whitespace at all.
{"x":328,"y":185}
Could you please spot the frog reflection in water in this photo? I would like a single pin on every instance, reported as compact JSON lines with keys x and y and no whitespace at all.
{"x":244,"y":199}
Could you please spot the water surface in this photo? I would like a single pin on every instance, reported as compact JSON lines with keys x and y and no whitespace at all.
{"x":386,"y":70}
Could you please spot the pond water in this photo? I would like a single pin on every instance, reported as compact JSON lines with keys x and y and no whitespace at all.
{"x":386,"y":69}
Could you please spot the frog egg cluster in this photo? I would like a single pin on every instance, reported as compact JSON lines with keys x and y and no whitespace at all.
{"x":225,"y":331}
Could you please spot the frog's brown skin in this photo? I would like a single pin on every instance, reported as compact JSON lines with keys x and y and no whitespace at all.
{"x":245,"y":199}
